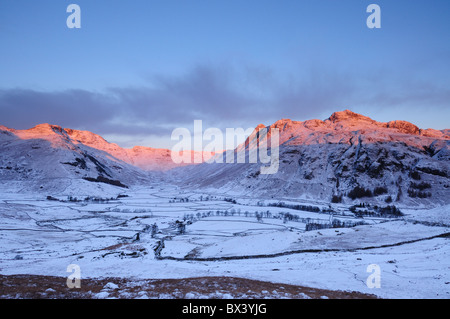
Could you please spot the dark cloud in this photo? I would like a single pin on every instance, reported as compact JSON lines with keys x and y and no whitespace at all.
{"x":21,"y":108}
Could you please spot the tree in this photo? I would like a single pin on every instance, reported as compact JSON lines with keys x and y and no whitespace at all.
{"x":359,"y":192}
{"x":258,"y":217}
{"x":154,"y":230}
{"x":336,"y":199}
{"x":181,"y":227}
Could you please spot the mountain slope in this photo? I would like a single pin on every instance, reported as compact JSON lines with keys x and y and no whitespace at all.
{"x":46,"y":158}
{"x":345,"y":157}
{"x":346,"y":152}
{"x":146,"y":158}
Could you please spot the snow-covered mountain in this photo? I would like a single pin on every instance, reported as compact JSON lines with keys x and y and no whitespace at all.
{"x":345,"y":157}
{"x":237,"y":233}
{"x":47,"y":158}
{"x":146,"y":158}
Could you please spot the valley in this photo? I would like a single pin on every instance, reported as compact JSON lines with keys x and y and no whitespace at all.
{"x":240,"y":238}
{"x":350,"y":194}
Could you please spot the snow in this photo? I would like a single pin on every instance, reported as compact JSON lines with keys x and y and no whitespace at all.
{"x":113,"y":238}
{"x":50,"y":236}
{"x":319,"y":159}
{"x":101,"y":295}
{"x":111,"y":285}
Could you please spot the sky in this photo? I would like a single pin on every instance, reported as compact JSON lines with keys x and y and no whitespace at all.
{"x":136,"y":70}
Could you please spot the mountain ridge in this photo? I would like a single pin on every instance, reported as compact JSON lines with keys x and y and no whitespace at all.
{"x":318,"y":159}
{"x":334,"y":123}
{"x":331,"y":158}
{"x":146,"y":158}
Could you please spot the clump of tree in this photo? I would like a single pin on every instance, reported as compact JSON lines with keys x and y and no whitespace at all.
{"x":359,"y":192}
{"x":420,"y":186}
{"x":390,"y":210}
{"x":336,"y":199}
{"x":336,"y":223}
{"x":179,"y":200}
{"x":380,"y":190}
{"x":206,"y":198}
{"x":91,"y":199}
{"x":230,"y":200}
{"x":416,"y":190}
{"x":306,"y":208}
{"x":418,"y":194}
{"x":415,"y":175}
{"x":181,"y":227}
{"x":363,"y":209}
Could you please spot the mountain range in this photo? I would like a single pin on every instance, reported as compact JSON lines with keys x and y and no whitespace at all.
{"x":343,"y":158}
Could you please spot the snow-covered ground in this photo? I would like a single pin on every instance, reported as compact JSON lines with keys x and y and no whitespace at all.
{"x":222,"y":238}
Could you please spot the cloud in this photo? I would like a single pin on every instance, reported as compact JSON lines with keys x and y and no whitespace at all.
{"x":223,"y":96}
{"x":24,"y":108}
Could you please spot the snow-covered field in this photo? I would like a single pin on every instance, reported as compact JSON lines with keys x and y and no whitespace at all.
{"x":238,"y":237}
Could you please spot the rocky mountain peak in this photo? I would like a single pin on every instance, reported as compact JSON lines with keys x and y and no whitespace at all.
{"x":348,"y":115}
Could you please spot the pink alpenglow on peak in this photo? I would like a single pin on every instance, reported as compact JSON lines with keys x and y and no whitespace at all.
{"x":344,"y":127}
{"x":146,"y":158}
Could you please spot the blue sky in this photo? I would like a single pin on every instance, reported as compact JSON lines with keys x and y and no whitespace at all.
{"x":138,"y":69}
